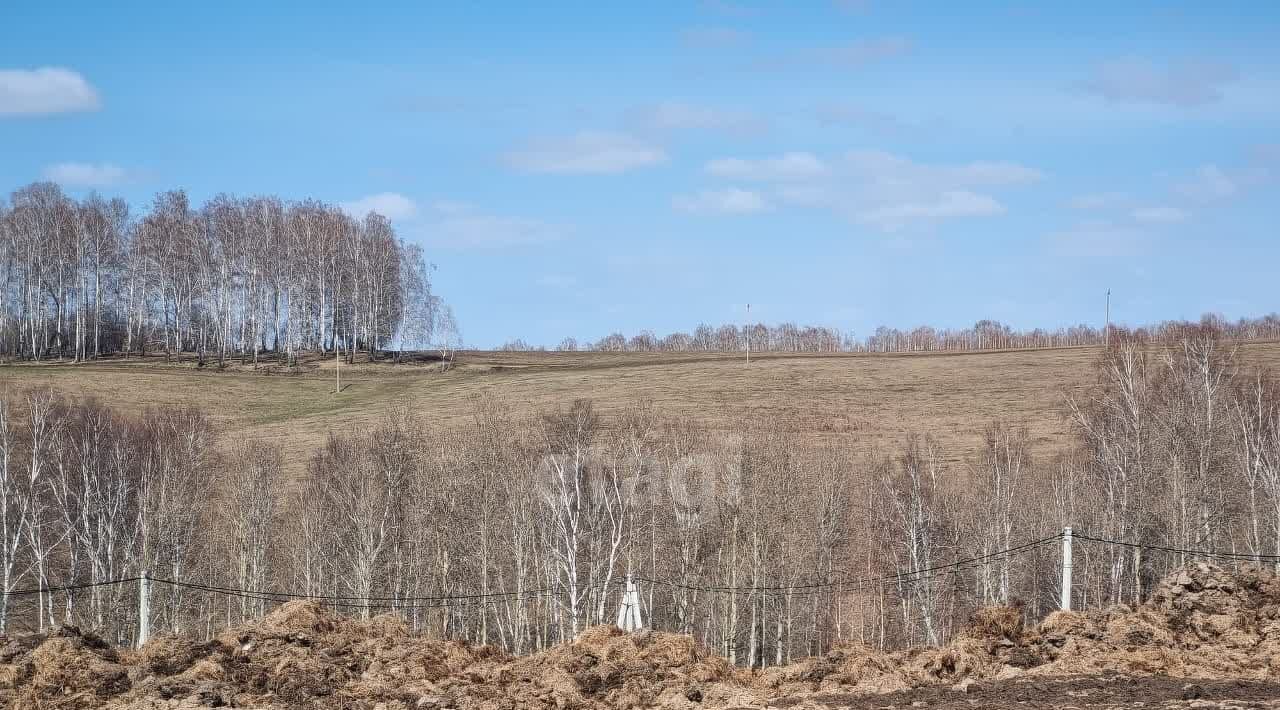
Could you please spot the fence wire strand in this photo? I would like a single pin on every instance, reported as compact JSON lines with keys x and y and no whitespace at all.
{"x":67,"y":588}
{"x":461,"y":600}
{"x":469,"y":600}
{"x":1211,"y":554}
{"x":857,"y":584}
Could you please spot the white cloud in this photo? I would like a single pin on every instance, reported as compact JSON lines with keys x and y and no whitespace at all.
{"x":996,"y":173}
{"x":1098,"y":201}
{"x":888,"y":169}
{"x":1209,"y":184}
{"x":850,"y":56}
{"x":1159,"y":214}
{"x":1187,"y":84}
{"x":848,"y":113}
{"x":1098,"y":238}
{"x":809,"y":195}
{"x":857,"y":54}
{"x":588,"y":152}
{"x":948,"y":205}
{"x":892,"y":191}
{"x":458,"y":225}
{"x":87,"y":174}
{"x":1213,"y":184}
{"x":1205,"y":187}
{"x":46,"y":90}
{"x":391,"y":205}
{"x":675,"y":115}
{"x":728,"y":201}
{"x":879,"y":188}
{"x":787,"y":167}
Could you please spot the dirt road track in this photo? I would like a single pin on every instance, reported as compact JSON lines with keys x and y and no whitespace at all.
{"x":1082,"y":693}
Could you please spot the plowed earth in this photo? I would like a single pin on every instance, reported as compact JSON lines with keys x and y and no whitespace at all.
{"x":1207,"y":638}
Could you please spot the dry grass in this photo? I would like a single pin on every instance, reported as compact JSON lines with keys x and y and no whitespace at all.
{"x":875,"y":400}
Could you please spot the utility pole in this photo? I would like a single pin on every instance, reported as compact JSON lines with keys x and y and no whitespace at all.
{"x":1106,"y":334}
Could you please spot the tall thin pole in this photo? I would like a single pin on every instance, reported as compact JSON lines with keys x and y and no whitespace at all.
{"x":747,"y":332}
{"x":1106,"y":335}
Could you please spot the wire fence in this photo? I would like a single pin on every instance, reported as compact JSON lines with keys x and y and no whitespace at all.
{"x":802,"y":587}
{"x":849,"y":585}
{"x":432,"y":601}
{"x":68,"y":587}
{"x":1206,"y":554}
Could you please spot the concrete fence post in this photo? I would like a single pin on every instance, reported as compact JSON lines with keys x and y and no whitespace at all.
{"x":629,"y":611}
{"x":1066,"y":569}
{"x":636,"y":622}
{"x":144,"y":608}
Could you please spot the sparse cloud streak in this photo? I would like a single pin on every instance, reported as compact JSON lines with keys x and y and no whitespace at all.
{"x":458,"y":225}
{"x":880,"y":189}
{"x":731,"y":200}
{"x":392,"y":205}
{"x":947,"y":205}
{"x":850,"y":56}
{"x":1188,"y":84}
{"x":1098,"y":239}
{"x":1209,"y":184}
{"x":671,"y":116}
{"x":586,"y":153}
{"x":1162,"y":214}
{"x":787,"y":167}
{"x":1098,"y":201}
{"x":844,"y":113}
{"x":91,"y":175}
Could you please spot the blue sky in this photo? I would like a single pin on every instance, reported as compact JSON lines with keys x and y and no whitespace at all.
{"x":579,"y":168}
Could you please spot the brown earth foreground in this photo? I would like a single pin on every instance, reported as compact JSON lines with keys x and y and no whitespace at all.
{"x":1207,"y":638}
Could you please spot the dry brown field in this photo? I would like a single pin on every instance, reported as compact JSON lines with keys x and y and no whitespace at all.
{"x":873,"y":401}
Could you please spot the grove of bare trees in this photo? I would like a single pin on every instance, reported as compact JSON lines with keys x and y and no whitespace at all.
{"x":763,"y":543}
{"x":235,"y":277}
{"x":983,"y":335}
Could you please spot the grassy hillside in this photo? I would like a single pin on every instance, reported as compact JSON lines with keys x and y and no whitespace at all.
{"x":874,"y":399}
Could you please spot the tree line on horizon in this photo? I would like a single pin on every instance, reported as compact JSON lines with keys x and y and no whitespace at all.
{"x":983,"y":335}
{"x":232,"y":278}
{"x":736,"y":532}
{"x":238,"y":277}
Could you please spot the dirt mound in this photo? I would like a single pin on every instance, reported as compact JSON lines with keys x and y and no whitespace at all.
{"x":302,"y":656}
{"x":995,"y":622}
{"x":605,"y":667}
{"x":1201,"y":622}
{"x":65,"y":669}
